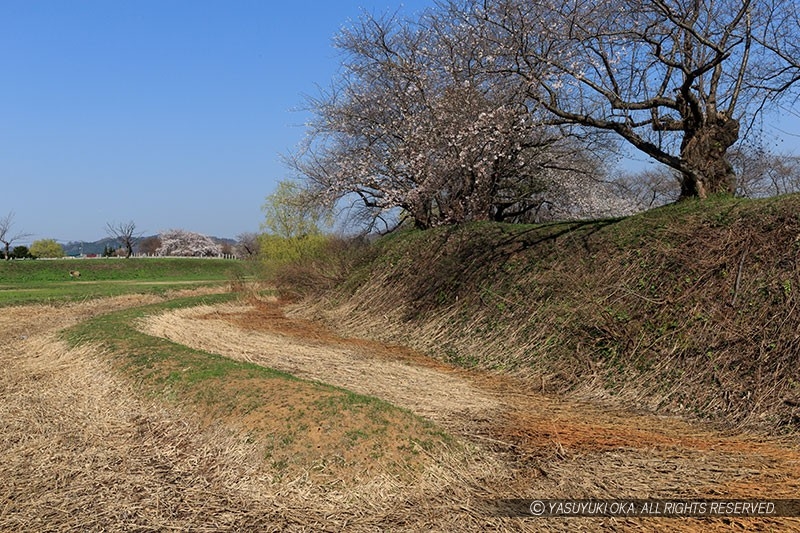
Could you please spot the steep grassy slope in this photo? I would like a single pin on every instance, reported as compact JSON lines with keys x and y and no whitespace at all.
{"x":691,"y":308}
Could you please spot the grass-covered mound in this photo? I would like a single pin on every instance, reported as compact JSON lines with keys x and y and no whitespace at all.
{"x":175,"y":268}
{"x":49,"y":281}
{"x":690,"y":308}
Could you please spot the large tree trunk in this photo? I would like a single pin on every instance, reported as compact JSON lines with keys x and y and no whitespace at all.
{"x":704,"y":154}
{"x":421,"y":211}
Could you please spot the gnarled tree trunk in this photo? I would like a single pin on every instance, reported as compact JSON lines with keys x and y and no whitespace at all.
{"x":704,"y":152}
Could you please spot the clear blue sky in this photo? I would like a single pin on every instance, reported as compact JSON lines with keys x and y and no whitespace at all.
{"x":171,"y":113}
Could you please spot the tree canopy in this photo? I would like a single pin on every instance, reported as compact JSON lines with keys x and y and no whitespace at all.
{"x":680,"y":80}
{"x":178,"y":242}
{"x":48,"y":248}
{"x":417,"y":125}
{"x":494,"y":109}
{"x":290,"y":213}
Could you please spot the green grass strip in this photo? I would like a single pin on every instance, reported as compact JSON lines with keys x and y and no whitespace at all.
{"x":178,"y":373}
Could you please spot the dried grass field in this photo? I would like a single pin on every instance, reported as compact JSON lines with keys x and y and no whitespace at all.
{"x":86,"y":446}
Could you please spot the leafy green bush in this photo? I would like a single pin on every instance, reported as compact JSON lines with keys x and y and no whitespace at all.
{"x":278,"y":251}
{"x":46,"y":248}
{"x":21,"y":252}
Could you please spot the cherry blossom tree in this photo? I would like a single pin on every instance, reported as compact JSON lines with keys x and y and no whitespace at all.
{"x":418,"y":125}
{"x":680,"y":80}
{"x":182,"y":243}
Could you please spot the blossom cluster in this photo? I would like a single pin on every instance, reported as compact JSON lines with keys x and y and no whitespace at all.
{"x":182,"y":243}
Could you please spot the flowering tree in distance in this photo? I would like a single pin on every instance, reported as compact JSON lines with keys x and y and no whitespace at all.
{"x":178,"y":242}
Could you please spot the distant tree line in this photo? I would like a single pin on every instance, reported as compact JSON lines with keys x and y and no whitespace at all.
{"x":44,"y":248}
{"x":174,"y":242}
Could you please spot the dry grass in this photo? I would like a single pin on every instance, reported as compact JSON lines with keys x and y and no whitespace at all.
{"x":82,"y":450}
{"x":552,"y":448}
{"x":690,"y":309}
{"x":434,"y":394}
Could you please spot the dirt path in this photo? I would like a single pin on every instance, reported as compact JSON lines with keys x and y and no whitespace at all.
{"x":81,"y":451}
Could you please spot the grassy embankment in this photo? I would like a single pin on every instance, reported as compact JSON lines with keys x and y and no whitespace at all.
{"x":49,"y":280}
{"x":689,"y":309}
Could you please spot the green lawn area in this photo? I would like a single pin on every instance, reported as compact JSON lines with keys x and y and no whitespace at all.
{"x":28,"y":281}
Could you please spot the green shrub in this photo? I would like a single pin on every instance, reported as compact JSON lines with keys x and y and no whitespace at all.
{"x":46,"y":248}
{"x":277,"y":251}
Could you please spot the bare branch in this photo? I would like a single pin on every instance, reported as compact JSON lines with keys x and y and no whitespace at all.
{"x":658,"y":73}
{"x":7,"y":238}
{"x":125,"y":233}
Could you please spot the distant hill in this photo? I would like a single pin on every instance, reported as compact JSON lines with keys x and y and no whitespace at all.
{"x":78,"y":248}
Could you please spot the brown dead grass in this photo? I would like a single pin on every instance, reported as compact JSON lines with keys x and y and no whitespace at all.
{"x":438,"y":395}
{"x":81,"y":450}
{"x":690,"y":309}
{"x":553,"y":449}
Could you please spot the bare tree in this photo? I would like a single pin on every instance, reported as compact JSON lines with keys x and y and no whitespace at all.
{"x":677,"y":79}
{"x":149,"y":245}
{"x":649,"y":188}
{"x":780,"y":36}
{"x":125,"y":233}
{"x":760,"y":173}
{"x":764,"y":173}
{"x":247,"y":245}
{"x":7,"y":237}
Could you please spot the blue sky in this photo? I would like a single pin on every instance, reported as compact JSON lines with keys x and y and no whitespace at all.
{"x":171,"y":113}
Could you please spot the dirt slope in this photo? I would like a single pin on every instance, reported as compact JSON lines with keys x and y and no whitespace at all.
{"x":81,"y":451}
